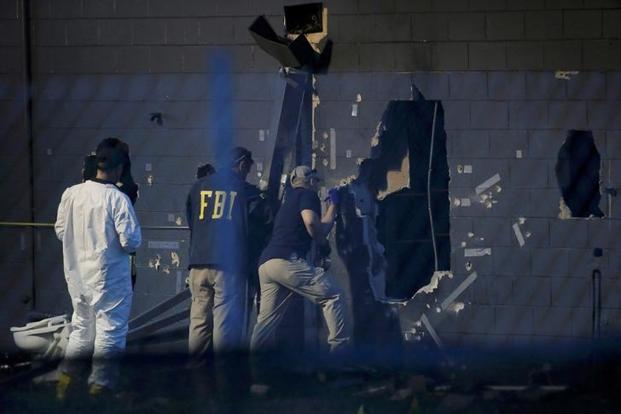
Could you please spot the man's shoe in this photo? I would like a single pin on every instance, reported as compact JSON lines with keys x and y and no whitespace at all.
{"x":259,"y":390}
{"x":98,"y":390}
{"x":64,"y":381}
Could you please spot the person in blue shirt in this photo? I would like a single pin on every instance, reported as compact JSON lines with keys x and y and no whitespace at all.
{"x":284,"y":269}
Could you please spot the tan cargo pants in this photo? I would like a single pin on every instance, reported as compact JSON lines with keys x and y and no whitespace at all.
{"x":216,"y":313}
{"x":279,"y":278}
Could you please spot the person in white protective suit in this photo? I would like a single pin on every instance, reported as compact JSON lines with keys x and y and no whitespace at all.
{"x":99,"y":229}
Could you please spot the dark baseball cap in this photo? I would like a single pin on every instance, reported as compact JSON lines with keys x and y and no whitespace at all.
{"x":239,"y":154}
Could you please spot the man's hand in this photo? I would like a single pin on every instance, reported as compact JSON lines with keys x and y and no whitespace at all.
{"x":334,"y":197}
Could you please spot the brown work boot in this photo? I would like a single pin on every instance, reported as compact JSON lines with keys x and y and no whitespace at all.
{"x":62,"y":386}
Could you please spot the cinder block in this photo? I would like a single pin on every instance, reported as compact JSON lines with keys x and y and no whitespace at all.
{"x":412,"y":56}
{"x":604,"y":233}
{"x":82,"y":32}
{"x":563,"y":4}
{"x":475,"y":319}
{"x":505,"y":26}
{"x":99,"y":8}
{"x":391,"y":27}
{"x":183,"y":31}
{"x":550,"y":262}
{"x":149,"y":32}
{"x":358,"y":83}
{"x":376,"y":57}
{"x":132,"y":8}
{"x":552,"y":321}
{"x":543,"y":85}
{"x":544,"y":203}
{"x":582,"y":24}
{"x":545,"y":144}
{"x":449,"y":5}
{"x":562,"y":55}
{"x":50,"y":33}
{"x":496,"y":231}
{"x":469,"y":143}
{"x":544,"y":25}
{"x":369,"y":115}
{"x":8,"y":9}
{"x":10,"y":33}
{"x":164,"y":8}
{"x":392,"y":86}
{"x":587,"y":85}
{"x":613,"y":85}
{"x":613,"y":144}
{"x":165,"y":59}
{"x":487,"y":56}
{"x":66,"y":9}
{"x":526,"y":5}
{"x":492,"y":290}
{"x":539,"y":232}
{"x":611,"y":27}
{"x":601,"y":54}
{"x":432,"y":85}
{"x":243,"y":7}
{"x":582,"y":262}
{"x":371,"y":6}
{"x":486,"y":5}
{"x":511,"y":261}
{"x":412,"y":6}
{"x":531,"y":291}
{"x":528,"y":114}
{"x":603,"y":114}
{"x":466,"y":26}
{"x":456,"y":114}
{"x":115,"y":32}
{"x":430,"y":26}
{"x":505,"y":143}
{"x":351,"y":28}
{"x":345,"y":57}
{"x":468,"y":85}
{"x":483,"y":169}
{"x":527,"y":173}
{"x":489,"y":114}
{"x":571,"y":233}
{"x":450,"y":56}
{"x":582,"y":322}
{"x":571,"y":292}
{"x":524,"y":56}
{"x":195,"y":58}
{"x":217,"y":30}
{"x":506,"y":85}
{"x":514,"y":320}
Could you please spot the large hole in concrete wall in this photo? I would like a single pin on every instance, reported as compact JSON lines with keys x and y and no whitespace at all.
{"x":577,"y":173}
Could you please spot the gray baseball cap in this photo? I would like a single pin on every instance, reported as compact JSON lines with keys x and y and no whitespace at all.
{"x":303,"y":173}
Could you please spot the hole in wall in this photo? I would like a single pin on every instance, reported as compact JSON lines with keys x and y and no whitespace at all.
{"x":578,"y":176}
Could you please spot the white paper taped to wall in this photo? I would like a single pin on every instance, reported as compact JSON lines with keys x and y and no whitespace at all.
{"x":484,"y":186}
{"x":431,"y":331}
{"x":478,"y":252}
{"x":460,"y":289}
{"x":166,"y":245}
{"x":354,"y":110}
{"x":518,"y":234}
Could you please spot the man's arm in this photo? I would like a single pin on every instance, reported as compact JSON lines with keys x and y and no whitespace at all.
{"x":318,"y":228}
{"x":126,"y":225}
{"x":59,"y":226}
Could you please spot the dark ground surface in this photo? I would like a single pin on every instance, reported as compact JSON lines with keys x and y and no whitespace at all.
{"x":460,"y":381}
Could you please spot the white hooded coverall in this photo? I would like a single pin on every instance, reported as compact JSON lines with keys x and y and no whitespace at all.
{"x":98,"y":228}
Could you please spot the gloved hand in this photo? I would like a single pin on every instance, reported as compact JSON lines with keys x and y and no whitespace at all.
{"x":334,"y":196}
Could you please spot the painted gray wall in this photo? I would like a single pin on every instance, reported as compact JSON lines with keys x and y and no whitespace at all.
{"x":101,"y":66}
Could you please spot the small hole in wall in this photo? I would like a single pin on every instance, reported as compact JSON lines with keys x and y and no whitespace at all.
{"x":578,"y":176}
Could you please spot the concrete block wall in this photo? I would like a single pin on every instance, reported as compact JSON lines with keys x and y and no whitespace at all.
{"x":16,"y":244}
{"x":102,"y":66}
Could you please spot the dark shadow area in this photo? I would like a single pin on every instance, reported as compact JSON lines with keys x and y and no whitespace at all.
{"x":577,"y":173}
{"x":469,"y":380}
